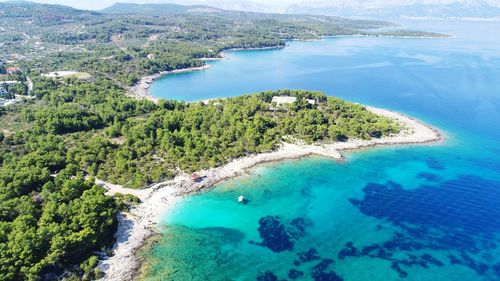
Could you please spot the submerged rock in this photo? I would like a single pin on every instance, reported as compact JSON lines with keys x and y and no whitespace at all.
{"x":294,"y":274}
{"x":277,"y":236}
{"x":319,"y":272}
{"x":274,"y":235}
{"x":479,"y":267}
{"x":298,"y":227}
{"x":430,"y":259}
{"x":267,"y":276}
{"x":327,"y":276}
{"x":395,"y":266}
{"x":349,"y":251}
{"x":323,"y":265}
{"x":426,"y":225}
{"x":308,"y":256}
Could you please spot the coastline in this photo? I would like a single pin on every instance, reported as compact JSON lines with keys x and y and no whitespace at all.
{"x":277,"y":47}
{"x":136,"y":227}
{"x":141,"y":89}
{"x":390,"y":36}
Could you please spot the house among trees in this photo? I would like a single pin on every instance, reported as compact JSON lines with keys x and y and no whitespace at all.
{"x":311,"y":101}
{"x":280,"y":100}
{"x":13,"y":70}
{"x":8,"y":83}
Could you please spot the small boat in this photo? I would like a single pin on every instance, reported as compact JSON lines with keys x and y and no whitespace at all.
{"x":241,"y":199}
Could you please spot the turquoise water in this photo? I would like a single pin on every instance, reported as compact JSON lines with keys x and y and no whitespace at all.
{"x":399,"y":213}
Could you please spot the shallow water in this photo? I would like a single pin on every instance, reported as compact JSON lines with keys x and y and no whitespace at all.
{"x":400,"y":213}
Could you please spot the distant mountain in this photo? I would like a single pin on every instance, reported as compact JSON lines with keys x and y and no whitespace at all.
{"x":230,"y":5}
{"x":377,"y":9}
{"x":247,"y":6}
{"x":43,"y":14}
{"x":169,"y":9}
{"x":157,"y":9}
{"x":236,"y":5}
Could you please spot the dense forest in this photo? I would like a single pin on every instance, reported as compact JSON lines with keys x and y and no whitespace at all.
{"x":127,"y":41}
{"x":54,"y":220}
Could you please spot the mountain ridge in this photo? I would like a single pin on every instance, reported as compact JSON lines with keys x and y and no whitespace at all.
{"x":153,"y":9}
{"x":399,"y":9}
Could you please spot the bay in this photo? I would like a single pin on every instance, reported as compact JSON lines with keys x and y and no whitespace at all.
{"x":397,"y":213}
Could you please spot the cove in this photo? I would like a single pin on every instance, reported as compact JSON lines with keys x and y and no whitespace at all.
{"x":399,"y":213}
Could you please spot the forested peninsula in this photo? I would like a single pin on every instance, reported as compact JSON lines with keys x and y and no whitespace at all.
{"x":53,"y":215}
{"x":69,"y":71}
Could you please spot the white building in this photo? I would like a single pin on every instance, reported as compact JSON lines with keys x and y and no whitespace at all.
{"x":309,"y":101}
{"x":8,"y":83}
{"x":280,"y":100}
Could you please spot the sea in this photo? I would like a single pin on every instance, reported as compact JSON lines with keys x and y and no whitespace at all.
{"x":428,"y":212}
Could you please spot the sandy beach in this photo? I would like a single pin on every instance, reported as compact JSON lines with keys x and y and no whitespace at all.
{"x":137,"y":226}
{"x":141,"y":89}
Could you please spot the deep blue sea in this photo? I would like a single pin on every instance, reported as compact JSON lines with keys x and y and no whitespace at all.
{"x":398,"y":213}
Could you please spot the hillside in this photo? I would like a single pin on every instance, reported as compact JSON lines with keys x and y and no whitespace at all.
{"x":148,"y":39}
{"x":235,"y":5}
{"x":43,"y":15}
{"x":235,"y":14}
{"x":383,"y":9}
{"x":157,"y":9}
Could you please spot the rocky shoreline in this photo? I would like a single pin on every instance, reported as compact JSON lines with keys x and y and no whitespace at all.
{"x":140,"y":224}
{"x":141,"y":89}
